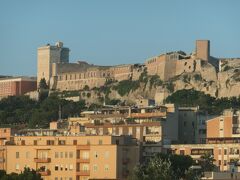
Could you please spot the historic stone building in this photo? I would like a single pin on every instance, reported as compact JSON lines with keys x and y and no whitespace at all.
{"x":54,"y":66}
{"x":217,"y":76}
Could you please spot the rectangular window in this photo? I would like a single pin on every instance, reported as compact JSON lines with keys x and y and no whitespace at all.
{"x":182,"y":152}
{"x":50,"y":142}
{"x":17,"y":155}
{"x":88,"y":142}
{"x":106,"y":167}
{"x":61,"y":142}
{"x":95,"y":167}
{"x":66,"y":154}
{"x":56,"y":167}
{"x":56,"y":154}
{"x":35,"y":142}
{"x":61,"y":154}
{"x":225,"y":162}
{"x":27,"y":154}
{"x":74,"y":142}
{"x":100,"y":142}
{"x":23,"y":142}
{"x":225,"y":151}
{"x":85,"y":155}
{"x":17,"y":167}
{"x":70,"y":167}
{"x":70,"y":154}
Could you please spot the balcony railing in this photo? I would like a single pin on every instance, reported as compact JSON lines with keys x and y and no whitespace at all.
{"x":81,"y":160}
{"x":42,"y":160}
{"x":83,"y":173}
{"x":83,"y":147}
{"x":45,"y":173}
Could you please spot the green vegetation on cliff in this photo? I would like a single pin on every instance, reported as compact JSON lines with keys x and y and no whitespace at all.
{"x":124,"y":87}
{"x":205,"y":102}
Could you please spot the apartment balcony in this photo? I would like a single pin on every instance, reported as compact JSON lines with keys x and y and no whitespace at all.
{"x":81,"y":160}
{"x":234,"y":156}
{"x":83,"y":147}
{"x":42,"y":160}
{"x":45,"y":173}
{"x":125,"y":160}
{"x":83,"y":173}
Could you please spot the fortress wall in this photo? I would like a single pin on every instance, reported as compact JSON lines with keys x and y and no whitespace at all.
{"x":188,"y":66}
{"x":170,"y":69}
{"x":137,"y":72}
{"x":156,"y":65}
{"x":78,"y":84}
{"x":93,"y":77}
{"x":71,"y":67}
{"x":122,"y":72}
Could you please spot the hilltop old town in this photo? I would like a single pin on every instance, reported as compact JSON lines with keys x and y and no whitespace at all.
{"x":84,"y":121}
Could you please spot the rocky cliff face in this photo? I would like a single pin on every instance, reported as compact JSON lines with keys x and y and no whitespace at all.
{"x":225,"y":83}
{"x":229,"y":78}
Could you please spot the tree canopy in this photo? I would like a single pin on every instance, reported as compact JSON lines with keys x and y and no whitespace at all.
{"x":16,"y":110}
{"x":166,"y":167}
{"x":27,"y":174}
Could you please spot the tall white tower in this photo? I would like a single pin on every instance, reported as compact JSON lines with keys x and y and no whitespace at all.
{"x":46,"y":56}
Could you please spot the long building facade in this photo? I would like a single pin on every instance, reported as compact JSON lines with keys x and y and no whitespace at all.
{"x":71,"y":157}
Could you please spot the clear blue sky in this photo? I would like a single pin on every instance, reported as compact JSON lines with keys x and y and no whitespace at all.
{"x":108,"y":32}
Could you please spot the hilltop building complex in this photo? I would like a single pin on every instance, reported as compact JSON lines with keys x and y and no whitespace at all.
{"x":54,"y":66}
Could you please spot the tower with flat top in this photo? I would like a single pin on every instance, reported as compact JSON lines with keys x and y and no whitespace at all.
{"x":203,"y":49}
{"x":47,"y":55}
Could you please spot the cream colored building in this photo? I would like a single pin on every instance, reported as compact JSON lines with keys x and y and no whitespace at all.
{"x":71,"y":157}
{"x":223,"y":137}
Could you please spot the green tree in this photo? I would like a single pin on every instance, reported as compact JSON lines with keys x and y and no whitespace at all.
{"x":27,"y":174}
{"x":86,"y":88}
{"x":180,"y":163}
{"x":43,"y":84}
{"x":207,"y":162}
{"x":155,"y":169}
{"x":164,"y":167}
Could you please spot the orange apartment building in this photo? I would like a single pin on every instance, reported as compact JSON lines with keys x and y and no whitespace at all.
{"x":150,"y":126}
{"x":222,"y":142}
{"x":16,"y":86}
{"x":71,"y":157}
